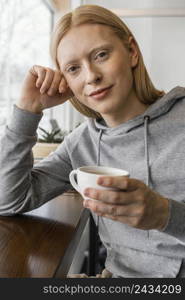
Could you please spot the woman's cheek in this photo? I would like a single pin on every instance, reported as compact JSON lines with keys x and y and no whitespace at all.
{"x":71,"y":85}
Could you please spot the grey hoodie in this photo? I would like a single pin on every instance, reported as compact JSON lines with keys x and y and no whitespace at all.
{"x":151,"y":147}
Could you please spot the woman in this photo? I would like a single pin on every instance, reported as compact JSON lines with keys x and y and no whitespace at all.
{"x":130,"y":125}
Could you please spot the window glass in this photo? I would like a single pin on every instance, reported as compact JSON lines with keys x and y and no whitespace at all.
{"x":25,"y":28}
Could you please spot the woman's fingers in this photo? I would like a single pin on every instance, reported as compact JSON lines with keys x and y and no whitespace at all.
{"x":120,"y":182}
{"x":130,"y":210}
{"x":114,"y":197}
{"x":63,"y":85}
{"x":49,"y":81}
{"x":40,"y":73}
{"x":54,"y":87}
{"x":46,"y":84}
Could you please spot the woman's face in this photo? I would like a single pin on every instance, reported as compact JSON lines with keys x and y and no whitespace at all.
{"x":93,"y":58}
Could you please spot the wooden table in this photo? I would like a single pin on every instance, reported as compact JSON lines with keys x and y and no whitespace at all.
{"x":42,"y":243}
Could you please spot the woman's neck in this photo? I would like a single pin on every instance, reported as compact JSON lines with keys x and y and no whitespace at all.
{"x":128,"y":112}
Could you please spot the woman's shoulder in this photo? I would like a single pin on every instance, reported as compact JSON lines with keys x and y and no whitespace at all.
{"x":77,"y":132}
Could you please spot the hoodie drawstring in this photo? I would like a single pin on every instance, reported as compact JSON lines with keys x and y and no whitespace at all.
{"x":96,"y":244}
{"x":148,"y":179}
{"x":98,"y":154}
{"x":98,"y":163}
{"x":146,"y":121}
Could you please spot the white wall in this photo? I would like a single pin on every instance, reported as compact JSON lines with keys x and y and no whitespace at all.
{"x":167,"y":52}
{"x":129,"y":4}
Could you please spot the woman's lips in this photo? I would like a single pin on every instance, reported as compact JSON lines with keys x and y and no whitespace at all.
{"x":102,"y":94}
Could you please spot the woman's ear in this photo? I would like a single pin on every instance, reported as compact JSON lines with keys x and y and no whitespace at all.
{"x":133,"y":52}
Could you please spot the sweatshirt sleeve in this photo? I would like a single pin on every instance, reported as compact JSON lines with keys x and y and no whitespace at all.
{"x":24,"y":187}
{"x":176,"y":222}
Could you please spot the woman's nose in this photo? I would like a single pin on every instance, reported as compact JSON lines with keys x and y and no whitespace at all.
{"x":92,"y":75}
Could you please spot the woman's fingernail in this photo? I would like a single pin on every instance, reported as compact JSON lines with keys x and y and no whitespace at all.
{"x":104,"y":181}
{"x":61,"y":90}
{"x":100,"y":181}
{"x":42,"y":91}
{"x":50,"y":92}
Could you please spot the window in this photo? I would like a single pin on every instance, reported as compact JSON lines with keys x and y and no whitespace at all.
{"x":25,"y":28}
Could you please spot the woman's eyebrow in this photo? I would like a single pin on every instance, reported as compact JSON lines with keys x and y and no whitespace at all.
{"x":72,"y":61}
{"x":104,"y":46}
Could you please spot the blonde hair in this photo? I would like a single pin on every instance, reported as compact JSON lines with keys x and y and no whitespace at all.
{"x":93,"y":14}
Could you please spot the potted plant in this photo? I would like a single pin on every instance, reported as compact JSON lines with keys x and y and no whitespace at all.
{"x":49,"y":141}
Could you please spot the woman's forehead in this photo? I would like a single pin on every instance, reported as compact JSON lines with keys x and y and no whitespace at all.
{"x":87,"y":31}
{"x":82,"y":39}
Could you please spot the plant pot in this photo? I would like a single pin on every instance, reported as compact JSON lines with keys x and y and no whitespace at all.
{"x":41,"y":150}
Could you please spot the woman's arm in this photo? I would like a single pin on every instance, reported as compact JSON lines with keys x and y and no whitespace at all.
{"x":22,"y":186}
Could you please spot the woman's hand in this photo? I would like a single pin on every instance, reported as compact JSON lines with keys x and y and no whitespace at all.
{"x":43,"y":88}
{"x":134,"y":203}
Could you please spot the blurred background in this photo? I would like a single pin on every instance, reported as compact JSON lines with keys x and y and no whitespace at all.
{"x":26,"y":25}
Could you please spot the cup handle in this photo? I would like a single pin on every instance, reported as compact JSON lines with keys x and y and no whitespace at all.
{"x":73,"y":181}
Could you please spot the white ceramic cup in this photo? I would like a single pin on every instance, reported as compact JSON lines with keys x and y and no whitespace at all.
{"x":87,"y":176}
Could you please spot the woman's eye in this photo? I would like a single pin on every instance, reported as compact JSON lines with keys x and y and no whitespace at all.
{"x":72,"y":69}
{"x":102,"y":54}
